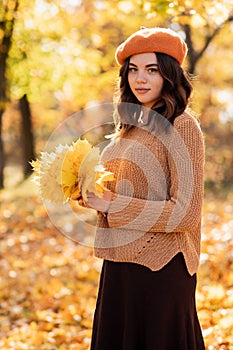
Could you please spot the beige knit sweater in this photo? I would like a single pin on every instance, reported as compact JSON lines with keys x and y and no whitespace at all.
{"x":156,"y":209}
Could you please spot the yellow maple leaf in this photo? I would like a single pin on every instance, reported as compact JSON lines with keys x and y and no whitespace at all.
{"x":35,"y":165}
{"x":71,"y":166}
{"x":81,"y":171}
{"x":48,"y":174}
{"x":87,"y":173}
{"x":101,"y":177}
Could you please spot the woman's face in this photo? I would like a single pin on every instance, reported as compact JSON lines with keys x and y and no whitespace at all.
{"x":144,"y":78}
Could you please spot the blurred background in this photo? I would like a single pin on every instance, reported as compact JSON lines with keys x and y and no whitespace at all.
{"x":57,"y":59}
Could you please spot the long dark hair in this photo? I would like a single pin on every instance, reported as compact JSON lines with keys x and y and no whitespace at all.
{"x":175,"y":94}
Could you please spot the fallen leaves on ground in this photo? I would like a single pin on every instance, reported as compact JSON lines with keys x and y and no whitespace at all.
{"x":49,"y":283}
{"x":215,"y":278}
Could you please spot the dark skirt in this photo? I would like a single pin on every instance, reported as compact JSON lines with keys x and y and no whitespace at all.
{"x":138,"y":309}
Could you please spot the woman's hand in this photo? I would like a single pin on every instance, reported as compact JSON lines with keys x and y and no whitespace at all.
{"x":99,"y":203}
{"x":95,"y":202}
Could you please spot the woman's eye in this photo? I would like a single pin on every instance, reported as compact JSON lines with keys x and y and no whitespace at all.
{"x":153,"y":70}
{"x":132,"y":69}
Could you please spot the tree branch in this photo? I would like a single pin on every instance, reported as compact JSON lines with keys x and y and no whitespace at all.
{"x":213,"y":35}
{"x":194,"y":55}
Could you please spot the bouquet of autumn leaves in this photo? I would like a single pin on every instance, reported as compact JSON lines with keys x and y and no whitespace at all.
{"x":70,"y":171}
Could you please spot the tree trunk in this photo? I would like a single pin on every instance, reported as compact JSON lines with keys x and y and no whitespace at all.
{"x":7,"y":20}
{"x":2,"y":162}
{"x":27,"y":135}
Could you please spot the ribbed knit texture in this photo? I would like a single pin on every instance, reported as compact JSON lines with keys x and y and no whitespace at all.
{"x":156,"y":209}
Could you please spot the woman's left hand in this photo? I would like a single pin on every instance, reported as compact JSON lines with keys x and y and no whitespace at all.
{"x":93,"y":201}
{"x":99,"y":203}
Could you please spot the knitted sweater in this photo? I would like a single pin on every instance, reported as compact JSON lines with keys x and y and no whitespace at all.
{"x":155,"y":211}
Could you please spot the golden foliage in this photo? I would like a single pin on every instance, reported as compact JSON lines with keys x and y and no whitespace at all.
{"x":70,"y":170}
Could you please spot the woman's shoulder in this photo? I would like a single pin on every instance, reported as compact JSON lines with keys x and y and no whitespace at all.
{"x":186,"y":116}
{"x":185,"y":119}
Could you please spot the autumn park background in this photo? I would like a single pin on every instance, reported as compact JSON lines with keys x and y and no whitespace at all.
{"x":56,"y":59}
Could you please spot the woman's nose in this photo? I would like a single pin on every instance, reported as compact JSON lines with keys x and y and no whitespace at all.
{"x":141,"y":77}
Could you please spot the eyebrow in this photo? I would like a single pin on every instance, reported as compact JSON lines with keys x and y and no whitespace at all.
{"x":147,"y":65}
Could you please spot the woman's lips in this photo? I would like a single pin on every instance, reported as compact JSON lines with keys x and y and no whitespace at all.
{"x":142,"y":91}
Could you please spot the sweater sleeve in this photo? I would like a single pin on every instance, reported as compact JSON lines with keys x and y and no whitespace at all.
{"x":181,"y":212}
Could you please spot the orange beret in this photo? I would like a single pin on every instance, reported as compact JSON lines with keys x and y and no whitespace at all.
{"x":161,"y":40}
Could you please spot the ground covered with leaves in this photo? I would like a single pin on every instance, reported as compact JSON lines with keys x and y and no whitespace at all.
{"x":49,"y":283}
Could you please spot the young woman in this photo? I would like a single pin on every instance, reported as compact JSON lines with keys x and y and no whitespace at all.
{"x":149,"y":221}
